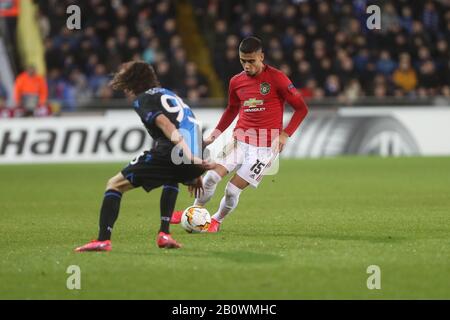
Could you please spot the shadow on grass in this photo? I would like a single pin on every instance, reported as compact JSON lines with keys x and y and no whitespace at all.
{"x":355,"y":237}
{"x":234,"y":256}
{"x":335,"y":236}
{"x":247,"y":257}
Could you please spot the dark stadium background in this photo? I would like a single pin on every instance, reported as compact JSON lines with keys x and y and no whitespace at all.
{"x":323,"y":46}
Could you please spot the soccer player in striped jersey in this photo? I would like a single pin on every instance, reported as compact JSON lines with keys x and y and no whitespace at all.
{"x":174,"y":159}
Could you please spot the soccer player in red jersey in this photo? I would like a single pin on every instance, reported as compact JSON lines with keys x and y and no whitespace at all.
{"x":258,"y":95}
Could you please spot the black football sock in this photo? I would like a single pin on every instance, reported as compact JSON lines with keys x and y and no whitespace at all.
{"x":167,"y":204}
{"x":109,"y":213}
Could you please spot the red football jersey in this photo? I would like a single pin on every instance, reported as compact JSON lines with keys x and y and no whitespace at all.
{"x":259,"y":101}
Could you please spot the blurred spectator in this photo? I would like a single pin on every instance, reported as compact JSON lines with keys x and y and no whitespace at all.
{"x":99,"y":79}
{"x":405,"y":76}
{"x":385,"y":64}
{"x":444,"y":96}
{"x":30,"y":90}
{"x":164,"y":75}
{"x":309,"y":90}
{"x":430,"y":17}
{"x":195,"y":81}
{"x":178,"y":71}
{"x":332,"y":86}
{"x":380,"y":91}
{"x":346,"y":70}
{"x":149,"y":54}
{"x":406,"y":20}
{"x":423,"y":56}
{"x":428,"y":78}
{"x":352,"y":91}
{"x":3,"y":92}
{"x":390,"y":20}
{"x":304,"y":73}
{"x":4,"y":112}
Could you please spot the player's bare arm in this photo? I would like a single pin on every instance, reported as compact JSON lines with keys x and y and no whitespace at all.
{"x":172,"y":133}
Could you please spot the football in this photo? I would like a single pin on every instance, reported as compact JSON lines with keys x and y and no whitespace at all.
{"x":195,"y":219}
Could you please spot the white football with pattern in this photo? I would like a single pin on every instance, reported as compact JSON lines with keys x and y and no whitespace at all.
{"x":195,"y":219}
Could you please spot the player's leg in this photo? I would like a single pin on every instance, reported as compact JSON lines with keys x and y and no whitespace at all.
{"x":229,"y":201}
{"x":109,"y":212}
{"x":167,"y":204}
{"x":210,"y":182}
{"x":115,"y":188}
{"x":230,"y":157}
{"x":250,"y":173}
{"x":228,"y":160}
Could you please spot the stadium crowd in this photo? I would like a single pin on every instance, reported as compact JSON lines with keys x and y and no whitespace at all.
{"x":327,"y":49}
{"x":323,"y":46}
{"x":80,"y":62}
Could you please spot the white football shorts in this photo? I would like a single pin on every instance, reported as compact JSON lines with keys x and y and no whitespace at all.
{"x":251,"y":162}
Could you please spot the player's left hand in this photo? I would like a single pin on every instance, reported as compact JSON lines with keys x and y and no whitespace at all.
{"x":196,"y":189}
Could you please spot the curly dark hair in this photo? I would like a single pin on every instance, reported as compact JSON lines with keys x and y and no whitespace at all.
{"x":135,"y":76}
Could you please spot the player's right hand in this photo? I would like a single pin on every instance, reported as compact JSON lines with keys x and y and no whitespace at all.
{"x":196,"y":189}
{"x":204,"y":164}
{"x":208,"y":165}
{"x":208,"y":141}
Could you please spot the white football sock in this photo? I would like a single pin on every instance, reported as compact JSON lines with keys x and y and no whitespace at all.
{"x":228,"y":203}
{"x":210,"y":182}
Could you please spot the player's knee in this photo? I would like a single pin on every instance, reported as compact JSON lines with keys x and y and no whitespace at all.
{"x":232,"y":195}
{"x":114,"y":184}
{"x":110,"y":184}
{"x":171,"y":188}
{"x":211,"y":179}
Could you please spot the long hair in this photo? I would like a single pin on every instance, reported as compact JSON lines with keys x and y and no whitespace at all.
{"x":135,"y":76}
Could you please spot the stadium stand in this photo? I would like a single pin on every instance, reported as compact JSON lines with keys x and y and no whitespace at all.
{"x":79,"y":63}
{"x":323,"y":46}
{"x":326,"y":48}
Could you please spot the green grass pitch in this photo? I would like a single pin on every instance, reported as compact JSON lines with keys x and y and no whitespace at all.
{"x":308,"y":233}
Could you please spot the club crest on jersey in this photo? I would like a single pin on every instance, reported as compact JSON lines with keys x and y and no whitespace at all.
{"x":265,"y":88}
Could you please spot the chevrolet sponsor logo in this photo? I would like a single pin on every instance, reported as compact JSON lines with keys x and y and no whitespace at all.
{"x":254,"y":109}
{"x":252,"y":103}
